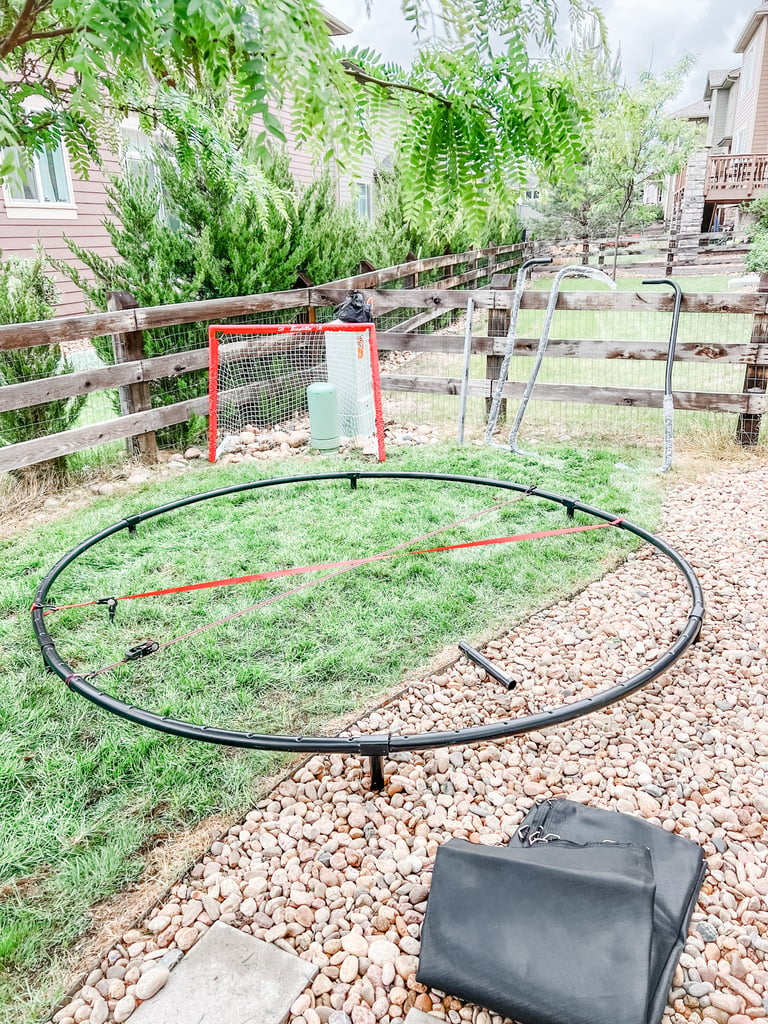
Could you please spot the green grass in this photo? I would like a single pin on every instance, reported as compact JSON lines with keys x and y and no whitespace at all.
{"x":83,"y":794}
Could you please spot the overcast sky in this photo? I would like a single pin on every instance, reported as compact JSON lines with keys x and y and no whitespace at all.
{"x":649,"y":32}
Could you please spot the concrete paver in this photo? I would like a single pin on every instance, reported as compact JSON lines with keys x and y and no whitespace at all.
{"x":229,"y":977}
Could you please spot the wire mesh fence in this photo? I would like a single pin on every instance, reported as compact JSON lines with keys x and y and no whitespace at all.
{"x":588,"y":421}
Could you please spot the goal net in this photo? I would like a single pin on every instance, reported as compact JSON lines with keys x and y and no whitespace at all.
{"x":259,"y":375}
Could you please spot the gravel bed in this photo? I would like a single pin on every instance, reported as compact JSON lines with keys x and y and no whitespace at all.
{"x":328,"y":870}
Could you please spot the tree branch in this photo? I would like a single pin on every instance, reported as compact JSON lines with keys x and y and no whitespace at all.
{"x":365,"y":79}
{"x":25,"y":21}
{"x":52,"y":34}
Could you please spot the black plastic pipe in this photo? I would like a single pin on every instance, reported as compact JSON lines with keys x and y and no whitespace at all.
{"x":380,"y":745}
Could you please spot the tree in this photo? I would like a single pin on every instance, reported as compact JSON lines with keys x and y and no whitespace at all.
{"x":640,"y":143}
{"x":631,"y":141}
{"x":194,"y":226}
{"x":471,"y":112}
{"x":576,"y":206}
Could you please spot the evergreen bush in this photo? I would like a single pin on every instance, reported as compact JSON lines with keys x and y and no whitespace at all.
{"x":757,"y":258}
{"x":208,"y":219}
{"x":27,"y":294}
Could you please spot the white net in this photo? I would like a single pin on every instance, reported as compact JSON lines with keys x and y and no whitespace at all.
{"x":260,"y":375}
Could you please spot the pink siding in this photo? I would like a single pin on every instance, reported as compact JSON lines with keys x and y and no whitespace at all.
{"x":300,"y":160}
{"x":20,"y":236}
{"x":749,"y":94}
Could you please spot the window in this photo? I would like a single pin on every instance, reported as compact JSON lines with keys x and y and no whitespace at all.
{"x":364,"y":200}
{"x":43,"y":181}
{"x":137,"y":153}
{"x":139,"y":163}
{"x":748,"y":67}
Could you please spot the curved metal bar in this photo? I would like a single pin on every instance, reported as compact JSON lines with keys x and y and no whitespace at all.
{"x":509,"y":347}
{"x":376,"y":745}
{"x":668,"y":400}
{"x":577,"y":271}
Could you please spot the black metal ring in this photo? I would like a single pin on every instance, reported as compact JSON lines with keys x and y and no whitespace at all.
{"x":384,"y":743}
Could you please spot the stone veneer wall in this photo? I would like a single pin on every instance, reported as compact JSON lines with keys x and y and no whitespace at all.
{"x":693,"y":208}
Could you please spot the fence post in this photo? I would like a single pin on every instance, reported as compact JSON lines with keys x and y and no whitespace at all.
{"x":133,"y":397}
{"x":410,"y":281}
{"x":305,"y":281}
{"x":498,"y":326}
{"x":585,"y":253}
{"x":601,"y":254}
{"x":670,"y":255}
{"x":756,"y":376}
{"x":491,"y":253}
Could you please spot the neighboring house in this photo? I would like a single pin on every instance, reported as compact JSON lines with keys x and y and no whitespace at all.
{"x":40,"y":208}
{"x":732,"y":167}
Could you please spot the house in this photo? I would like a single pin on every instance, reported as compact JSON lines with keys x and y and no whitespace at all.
{"x":52,"y":201}
{"x":731,"y":169}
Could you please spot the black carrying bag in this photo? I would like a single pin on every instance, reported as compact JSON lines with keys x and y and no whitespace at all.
{"x":580,"y":920}
{"x":354,"y":309}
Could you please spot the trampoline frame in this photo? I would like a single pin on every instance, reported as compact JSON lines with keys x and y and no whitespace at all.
{"x":379,"y":745}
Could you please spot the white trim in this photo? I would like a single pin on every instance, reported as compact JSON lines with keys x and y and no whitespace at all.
{"x":16,"y":210}
{"x":364,"y":193}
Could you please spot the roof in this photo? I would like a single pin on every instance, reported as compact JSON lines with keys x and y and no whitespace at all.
{"x":336,"y":25}
{"x":720,"y":80}
{"x":751,"y":27}
{"x":698,"y":111}
{"x":715,"y":79}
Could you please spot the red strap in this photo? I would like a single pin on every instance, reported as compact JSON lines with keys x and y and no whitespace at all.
{"x":343,"y":566}
{"x":350,"y":562}
{"x":518,"y":536}
{"x":246,"y":579}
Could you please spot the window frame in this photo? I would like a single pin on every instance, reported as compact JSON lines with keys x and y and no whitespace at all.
{"x":364,"y":190}
{"x":749,"y":67}
{"x":42,"y":209}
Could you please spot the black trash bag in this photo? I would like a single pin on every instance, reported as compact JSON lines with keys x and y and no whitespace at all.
{"x":580,"y":920}
{"x":354,"y":309}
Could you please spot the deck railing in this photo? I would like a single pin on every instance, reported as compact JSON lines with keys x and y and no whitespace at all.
{"x":736,"y":177}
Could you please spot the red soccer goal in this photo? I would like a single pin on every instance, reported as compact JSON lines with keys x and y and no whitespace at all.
{"x":259,"y":375}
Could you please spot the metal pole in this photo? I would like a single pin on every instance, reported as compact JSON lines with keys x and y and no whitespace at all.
{"x":574,"y":271}
{"x":668,"y":403}
{"x":509,"y":348}
{"x":465,"y":370}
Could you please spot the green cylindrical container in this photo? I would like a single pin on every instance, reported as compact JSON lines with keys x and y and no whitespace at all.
{"x":323,"y":416}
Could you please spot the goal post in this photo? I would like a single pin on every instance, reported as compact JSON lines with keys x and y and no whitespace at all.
{"x":259,"y":375}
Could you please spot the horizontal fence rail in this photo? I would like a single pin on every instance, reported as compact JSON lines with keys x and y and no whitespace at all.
{"x":405,"y":311}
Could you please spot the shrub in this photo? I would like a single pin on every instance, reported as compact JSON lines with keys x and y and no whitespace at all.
{"x":27,"y":294}
{"x":204,"y":222}
{"x":757,"y":258}
{"x":209,"y":218}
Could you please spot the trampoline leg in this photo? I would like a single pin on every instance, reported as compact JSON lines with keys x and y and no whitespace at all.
{"x":487,"y":666}
{"x":376,"y":764}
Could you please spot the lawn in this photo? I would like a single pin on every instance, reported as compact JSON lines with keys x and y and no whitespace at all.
{"x":84,"y":795}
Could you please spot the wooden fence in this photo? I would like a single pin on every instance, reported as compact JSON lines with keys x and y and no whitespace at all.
{"x":132,"y":372}
{"x":396,"y":288}
{"x":658,"y":255}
